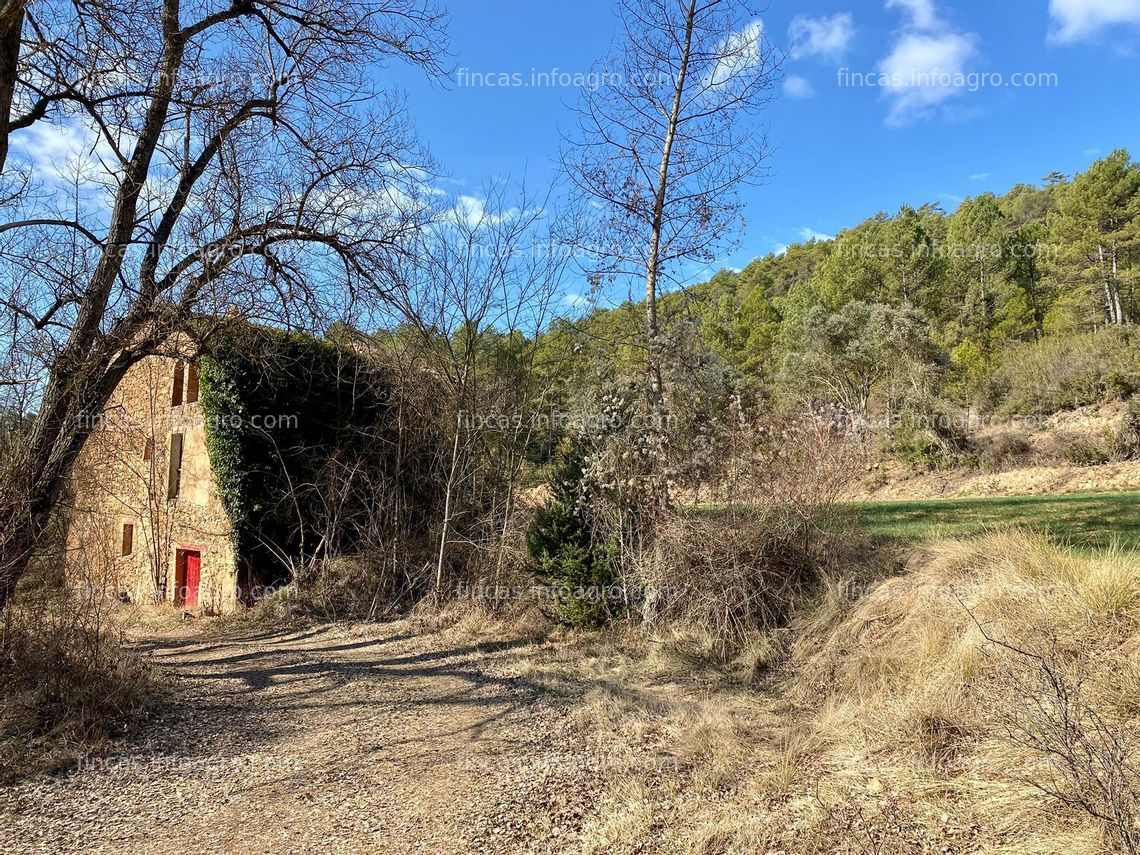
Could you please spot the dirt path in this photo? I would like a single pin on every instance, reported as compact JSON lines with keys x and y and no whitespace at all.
{"x":325,"y":740}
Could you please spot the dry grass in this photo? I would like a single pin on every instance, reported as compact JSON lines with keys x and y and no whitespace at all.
{"x":483,"y":620}
{"x":69,"y":683}
{"x":908,"y":683}
{"x":682,"y":740}
{"x":737,"y":576}
{"x":732,"y":575}
{"x":873,"y":724}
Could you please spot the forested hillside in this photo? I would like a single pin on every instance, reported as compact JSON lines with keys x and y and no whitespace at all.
{"x":1013,"y":304}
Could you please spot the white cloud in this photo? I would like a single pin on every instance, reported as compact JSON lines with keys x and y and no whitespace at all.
{"x":1074,"y":20}
{"x":1091,"y":152}
{"x":798,"y":87}
{"x":922,"y":71}
{"x":926,"y":65}
{"x":979,"y":176}
{"x":64,"y":153}
{"x":473,"y":211}
{"x":737,"y":53}
{"x":921,"y":13}
{"x":575,"y":301}
{"x":825,"y":37}
{"x":806,"y":233}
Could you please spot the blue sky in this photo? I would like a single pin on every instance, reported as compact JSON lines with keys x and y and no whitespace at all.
{"x":841,"y":153}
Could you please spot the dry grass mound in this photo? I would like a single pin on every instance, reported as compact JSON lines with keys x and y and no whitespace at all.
{"x":998,"y":681}
{"x":737,"y":576}
{"x":729,"y":575}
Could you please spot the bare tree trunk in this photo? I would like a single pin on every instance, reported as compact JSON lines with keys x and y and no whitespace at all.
{"x":689,"y":72}
{"x":447,"y":508}
{"x":1117,"y":303}
{"x":508,"y":509}
{"x":1110,"y":304}
{"x":159,"y":536}
{"x":653,"y":356}
{"x":78,"y":380}
{"x":11,"y":28}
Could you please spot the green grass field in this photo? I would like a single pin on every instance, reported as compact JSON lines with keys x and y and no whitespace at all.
{"x":1089,"y":520}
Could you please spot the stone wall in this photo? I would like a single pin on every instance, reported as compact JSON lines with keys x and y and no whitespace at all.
{"x":117,"y":481}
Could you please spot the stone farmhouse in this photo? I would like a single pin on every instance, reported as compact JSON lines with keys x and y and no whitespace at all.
{"x":208,"y":479}
{"x":146,"y":517}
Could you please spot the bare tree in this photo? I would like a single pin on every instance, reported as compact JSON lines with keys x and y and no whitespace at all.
{"x":477,"y":295}
{"x":228,"y":154}
{"x":660,"y":148}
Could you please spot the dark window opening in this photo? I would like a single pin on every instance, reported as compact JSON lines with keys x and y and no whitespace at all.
{"x":191,"y":383}
{"x":148,"y":449}
{"x":176,"y":391}
{"x":128,"y":538}
{"x":174,"y":478}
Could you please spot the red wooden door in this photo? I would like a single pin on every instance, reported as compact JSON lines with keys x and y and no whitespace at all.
{"x":193,"y":577}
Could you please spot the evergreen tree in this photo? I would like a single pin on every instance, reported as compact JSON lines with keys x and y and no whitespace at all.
{"x":977,"y":250}
{"x":568,"y":557}
{"x":1097,"y":222}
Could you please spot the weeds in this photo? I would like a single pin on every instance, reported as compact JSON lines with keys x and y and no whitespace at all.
{"x":69,"y":683}
{"x":734,"y":576}
{"x":1090,"y":764}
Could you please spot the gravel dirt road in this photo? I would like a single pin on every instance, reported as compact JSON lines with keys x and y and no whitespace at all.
{"x":322,"y":740}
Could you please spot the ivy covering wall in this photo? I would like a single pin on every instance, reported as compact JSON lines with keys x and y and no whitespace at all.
{"x":311,"y":447}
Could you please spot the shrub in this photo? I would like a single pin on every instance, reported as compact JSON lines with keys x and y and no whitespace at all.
{"x":733,"y":575}
{"x":1126,"y":440}
{"x":69,"y":684}
{"x":1084,"y":450}
{"x":1065,"y":371}
{"x":1120,"y":384}
{"x":1092,"y":764}
{"x":364,"y":586}
{"x":570,"y":558}
{"x":925,"y":435}
{"x":1005,"y":450}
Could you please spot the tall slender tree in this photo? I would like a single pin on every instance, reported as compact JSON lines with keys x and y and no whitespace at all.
{"x":663,"y":145}
{"x":977,"y":240}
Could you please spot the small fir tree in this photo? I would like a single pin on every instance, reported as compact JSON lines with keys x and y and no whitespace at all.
{"x":568,"y":556}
